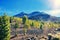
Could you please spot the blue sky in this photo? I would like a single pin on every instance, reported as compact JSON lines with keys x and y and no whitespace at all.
{"x":12,"y":7}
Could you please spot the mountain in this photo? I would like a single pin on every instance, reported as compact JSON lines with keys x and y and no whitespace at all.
{"x":20,"y":14}
{"x":38,"y":16}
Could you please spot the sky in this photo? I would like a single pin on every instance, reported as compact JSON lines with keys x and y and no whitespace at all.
{"x":13,"y":7}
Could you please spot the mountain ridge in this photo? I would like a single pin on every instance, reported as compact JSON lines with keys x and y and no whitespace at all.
{"x":36,"y":15}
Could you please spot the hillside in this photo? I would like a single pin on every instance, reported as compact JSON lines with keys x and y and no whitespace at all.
{"x":38,"y":16}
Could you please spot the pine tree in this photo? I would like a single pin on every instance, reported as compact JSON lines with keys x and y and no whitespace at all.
{"x":32,"y":24}
{"x":24,"y":19}
{"x":4,"y":27}
{"x":41,"y":27}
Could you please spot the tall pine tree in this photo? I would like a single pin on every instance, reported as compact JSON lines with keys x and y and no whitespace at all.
{"x":4,"y":27}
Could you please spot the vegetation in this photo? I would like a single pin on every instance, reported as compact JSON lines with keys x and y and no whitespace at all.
{"x":26,"y":27}
{"x":26,"y":24}
{"x":24,"y":19}
{"x":4,"y":27}
{"x":32,"y":24}
{"x":55,"y":38}
{"x":5,"y":22}
{"x":16,"y":26}
{"x":11,"y":19}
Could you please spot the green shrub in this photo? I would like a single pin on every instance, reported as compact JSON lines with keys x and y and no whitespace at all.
{"x":55,"y":38}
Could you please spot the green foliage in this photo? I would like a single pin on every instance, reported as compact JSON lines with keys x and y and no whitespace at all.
{"x":55,"y":38}
{"x":11,"y":19}
{"x":16,"y":25}
{"x":32,"y":24}
{"x":36,"y":24}
{"x":24,"y":19}
{"x":41,"y":27}
{"x":19,"y":20}
{"x":4,"y":28}
{"x":26,"y":27}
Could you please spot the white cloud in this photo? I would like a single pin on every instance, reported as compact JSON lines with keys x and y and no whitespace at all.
{"x":54,"y":5}
{"x":53,"y":12}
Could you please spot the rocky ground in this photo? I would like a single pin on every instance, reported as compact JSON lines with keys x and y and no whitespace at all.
{"x":34,"y":34}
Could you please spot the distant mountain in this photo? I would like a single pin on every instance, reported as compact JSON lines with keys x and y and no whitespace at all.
{"x":20,"y":14}
{"x":38,"y":16}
